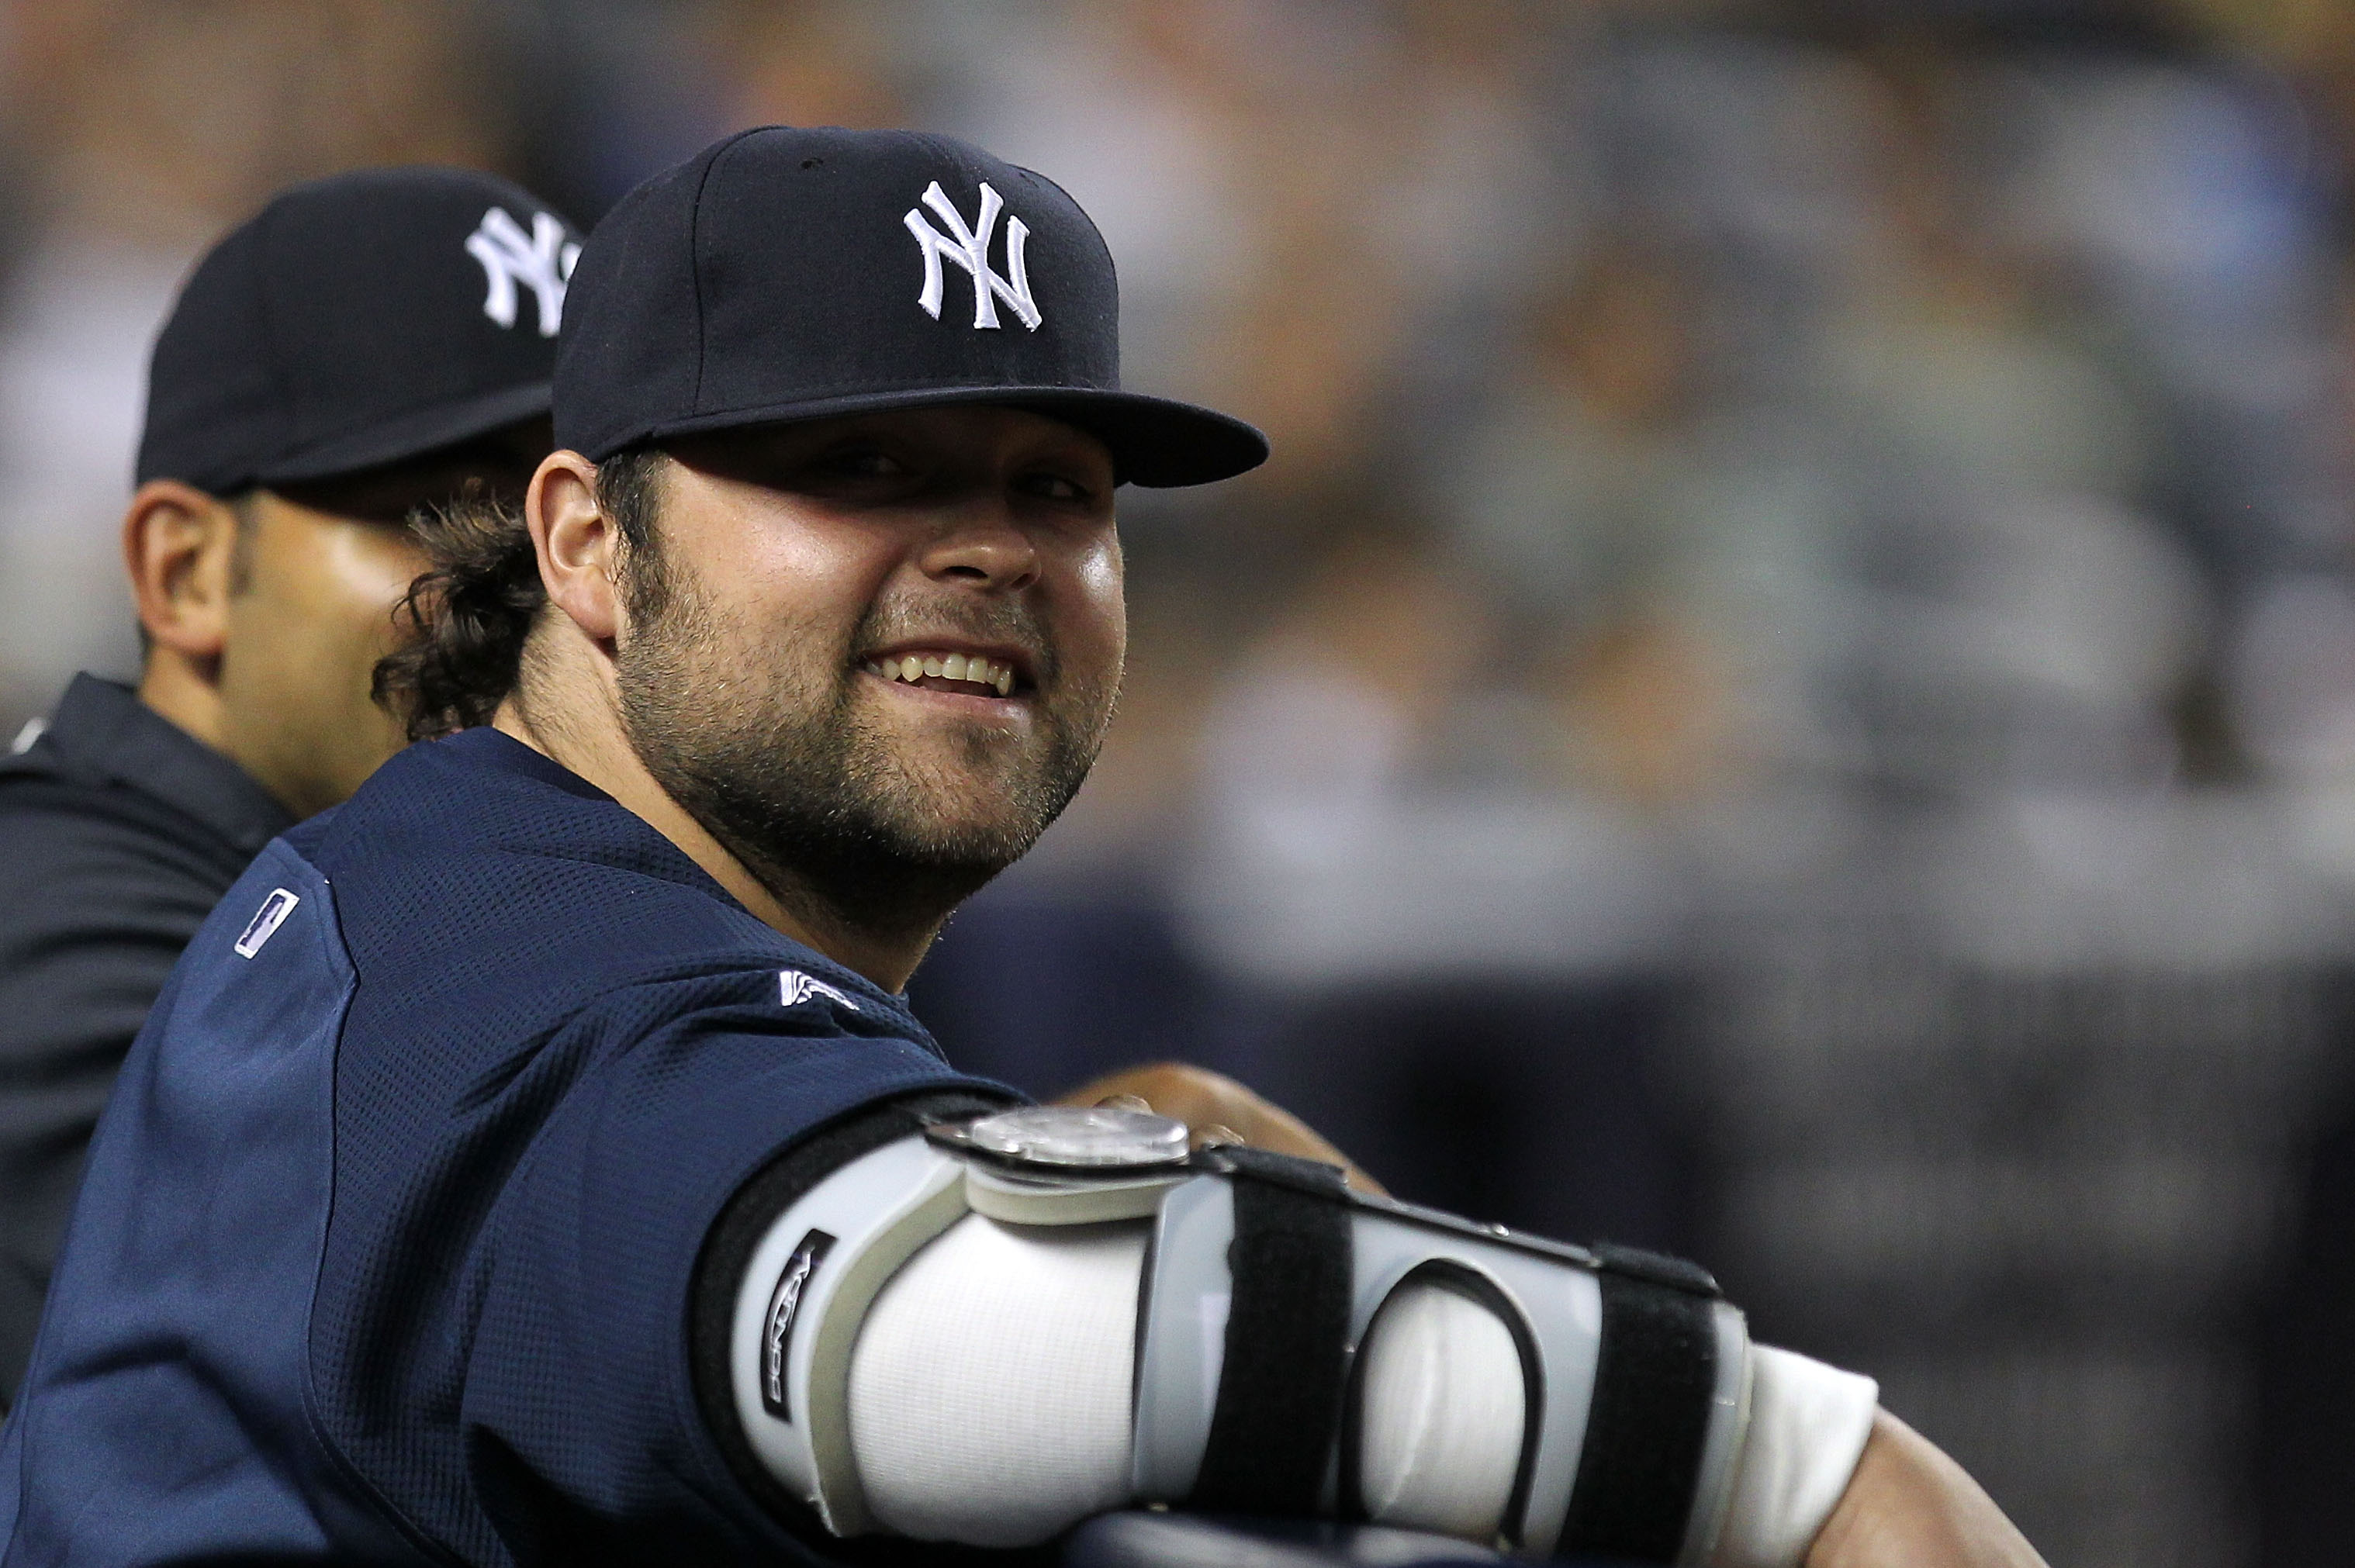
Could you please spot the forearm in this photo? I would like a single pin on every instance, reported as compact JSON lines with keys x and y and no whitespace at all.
{"x":1040,"y":1332}
{"x":1038,"y":1328}
{"x":1464,"y":1414}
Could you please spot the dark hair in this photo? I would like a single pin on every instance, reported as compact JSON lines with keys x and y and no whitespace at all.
{"x":463,"y":623}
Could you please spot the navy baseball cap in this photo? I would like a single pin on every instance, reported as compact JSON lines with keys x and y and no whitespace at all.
{"x":790,"y":275}
{"x":358,"y":320}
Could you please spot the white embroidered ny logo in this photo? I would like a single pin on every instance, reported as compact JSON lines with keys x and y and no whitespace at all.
{"x":541,"y":261}
{"x":969,"y":248}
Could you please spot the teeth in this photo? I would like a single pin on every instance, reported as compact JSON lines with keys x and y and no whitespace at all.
{"x":913,"y":667}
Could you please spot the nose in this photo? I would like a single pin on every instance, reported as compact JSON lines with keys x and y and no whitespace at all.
{"x":983,"y":544}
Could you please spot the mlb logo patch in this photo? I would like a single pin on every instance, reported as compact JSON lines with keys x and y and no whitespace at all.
{"x":266,"y":921}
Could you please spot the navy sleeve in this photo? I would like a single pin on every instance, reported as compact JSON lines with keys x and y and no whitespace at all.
{"x":507,"y":1352}
{"x":97,"y":898}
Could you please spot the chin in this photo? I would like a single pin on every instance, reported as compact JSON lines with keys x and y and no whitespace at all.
{"x":967,"y":770}
{"x":939,"y":838}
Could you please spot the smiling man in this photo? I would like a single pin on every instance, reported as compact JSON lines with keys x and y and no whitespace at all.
{"x":534,"y":1161}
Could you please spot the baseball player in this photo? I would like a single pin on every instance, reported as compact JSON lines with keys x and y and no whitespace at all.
{"x":365,"y":346}
{"x":533,"y":1158}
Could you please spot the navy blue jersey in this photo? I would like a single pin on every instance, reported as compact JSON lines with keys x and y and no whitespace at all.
{"x":119,"y":831}
{"x":385,"y":1249}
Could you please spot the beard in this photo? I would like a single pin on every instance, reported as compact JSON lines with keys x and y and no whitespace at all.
{"x":765,"y":736}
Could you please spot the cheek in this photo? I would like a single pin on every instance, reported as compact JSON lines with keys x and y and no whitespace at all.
{"x":1096,"y":629}
{"x":797,"y":583}
{"x":363,"y":574}
{"x":325,"y":587}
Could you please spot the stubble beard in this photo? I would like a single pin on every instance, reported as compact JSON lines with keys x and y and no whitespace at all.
{"x":784,"y":759}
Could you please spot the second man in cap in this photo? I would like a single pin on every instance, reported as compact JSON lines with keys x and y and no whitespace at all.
{"x":367,"y":346}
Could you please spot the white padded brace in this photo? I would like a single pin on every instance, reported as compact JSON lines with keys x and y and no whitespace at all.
{"x":1443,"y":1413}
{"x":989,"y":1391}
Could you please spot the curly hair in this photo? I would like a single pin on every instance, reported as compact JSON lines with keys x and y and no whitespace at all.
{"x":463,"y":624}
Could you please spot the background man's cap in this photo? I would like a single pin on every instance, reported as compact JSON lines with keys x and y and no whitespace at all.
{"x":789,"y":274}
{"x":356,"y":321}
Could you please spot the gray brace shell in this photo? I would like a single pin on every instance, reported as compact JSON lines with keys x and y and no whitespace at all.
{"x":1636,"y":1368}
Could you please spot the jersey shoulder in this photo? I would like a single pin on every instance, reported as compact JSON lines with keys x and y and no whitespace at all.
{"x":488,"y":899}
{"x":477,"y":849}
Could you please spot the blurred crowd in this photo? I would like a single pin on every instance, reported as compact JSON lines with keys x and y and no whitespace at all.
{"x":1788,"y":693}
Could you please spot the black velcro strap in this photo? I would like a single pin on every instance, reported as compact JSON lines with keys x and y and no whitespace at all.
{"x":1676,"y":1273}
{"x":1654,"y":1385}
{"x":1278,"y":1413}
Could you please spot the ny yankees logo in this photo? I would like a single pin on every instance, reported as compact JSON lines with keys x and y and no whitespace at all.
{"x":541,"y":261}
{"x":969,"y":248}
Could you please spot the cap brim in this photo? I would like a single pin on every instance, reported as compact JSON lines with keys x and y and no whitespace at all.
{"x":1156,"y":442}
{"x":412,"y":435}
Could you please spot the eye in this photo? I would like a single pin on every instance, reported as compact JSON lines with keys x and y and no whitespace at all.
{"x":1049,"y":485}
{"x":864,"y":462}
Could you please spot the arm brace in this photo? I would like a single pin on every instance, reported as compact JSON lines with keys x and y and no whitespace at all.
{"x":1240,"y":1335}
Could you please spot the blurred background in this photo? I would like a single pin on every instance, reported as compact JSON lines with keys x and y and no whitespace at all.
{"x":1789,"y":692}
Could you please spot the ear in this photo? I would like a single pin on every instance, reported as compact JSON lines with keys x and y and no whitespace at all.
{"x":179,"y":545}
{"x":577,"y":544}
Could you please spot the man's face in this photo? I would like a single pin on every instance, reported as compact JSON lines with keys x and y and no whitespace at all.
{"x":875,"y":656}
{"x":316,"y":573}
